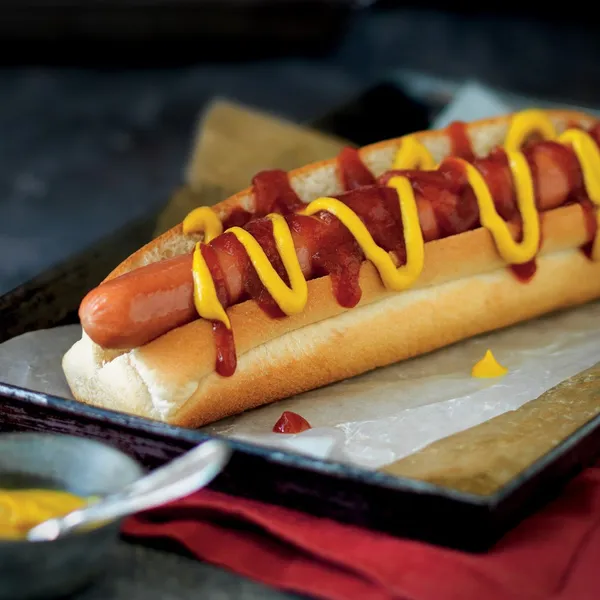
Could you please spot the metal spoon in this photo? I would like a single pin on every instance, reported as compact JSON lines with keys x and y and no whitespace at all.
{"x":181,"y":477}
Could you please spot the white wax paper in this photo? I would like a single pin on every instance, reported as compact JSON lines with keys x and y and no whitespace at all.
{"x":389,"y":413}
{"x":384,"y":415}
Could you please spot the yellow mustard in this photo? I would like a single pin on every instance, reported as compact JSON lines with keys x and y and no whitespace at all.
{"x":488,"y":367}
{"x":411,"y":154}
{"x":291,"y":300}
{"x":20,"y":510}
{"x":203,"y":219}
{"x":525,"y":123}
{"x":206,"y":300}
{"x":588,"y":155}
{"x":395,"y":278}
{"x":511,"y":251}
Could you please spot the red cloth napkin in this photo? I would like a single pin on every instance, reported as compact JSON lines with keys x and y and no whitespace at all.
{"x":554,"y":554}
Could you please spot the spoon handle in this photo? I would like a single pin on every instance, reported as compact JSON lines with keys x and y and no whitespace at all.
{"x":192,"y":470}
{"x":182,"y":476}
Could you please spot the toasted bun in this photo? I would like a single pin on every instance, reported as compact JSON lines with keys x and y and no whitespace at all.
{"x":465,"y":289}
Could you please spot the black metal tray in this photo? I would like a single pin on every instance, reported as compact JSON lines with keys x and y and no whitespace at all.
{"x":351,"y":495}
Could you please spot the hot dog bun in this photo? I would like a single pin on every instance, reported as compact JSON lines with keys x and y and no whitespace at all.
{"x":464,"y":289}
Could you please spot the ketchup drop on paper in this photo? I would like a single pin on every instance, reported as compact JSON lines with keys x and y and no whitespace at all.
{"x":290,"y":422}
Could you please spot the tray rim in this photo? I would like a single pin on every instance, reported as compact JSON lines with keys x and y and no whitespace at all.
{"x":322,"y":466}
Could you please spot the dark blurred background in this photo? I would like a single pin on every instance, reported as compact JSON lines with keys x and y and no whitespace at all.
{"x":98,"y":99}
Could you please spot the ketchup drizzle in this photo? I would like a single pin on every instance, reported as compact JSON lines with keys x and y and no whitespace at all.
{"x":273,"y":193}
{"x":524,"y":272}
{"x":496,"y":172}
{"x":591,"y":225}
{"x":212,"y":262}
{"x":353,"y":172}
{"x":225,"y":345}
{"x":455,"y":206}
{"x":251,"y":284}
{"x":238,"y":217}
{"x":459,"y":140}
{"x":340,"y":257}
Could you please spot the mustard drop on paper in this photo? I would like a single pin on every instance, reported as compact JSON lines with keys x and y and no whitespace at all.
{"x":488,"y":367}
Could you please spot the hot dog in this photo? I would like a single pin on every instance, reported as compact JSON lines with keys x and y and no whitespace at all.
{"x":135,"y":308}
{"x":165,"y":336}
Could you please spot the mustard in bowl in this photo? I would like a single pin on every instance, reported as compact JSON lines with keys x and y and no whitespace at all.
{"x":44,"y":476}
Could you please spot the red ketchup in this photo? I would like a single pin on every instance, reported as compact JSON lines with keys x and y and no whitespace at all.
{"x":225,"y":345}
{"x":272,"y":193}
{"x":524,"y":272}
{"x":238,"y":217}
{"x":353,"y":172}
{"x":591,"y":224}
{"x":459,"y":140}
{"x":290,"y":422}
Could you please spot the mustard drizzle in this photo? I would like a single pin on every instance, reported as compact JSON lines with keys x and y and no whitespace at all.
{"x":411,"y":154}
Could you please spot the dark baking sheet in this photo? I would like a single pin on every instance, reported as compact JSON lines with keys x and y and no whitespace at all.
{"x":352,"y":495}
